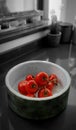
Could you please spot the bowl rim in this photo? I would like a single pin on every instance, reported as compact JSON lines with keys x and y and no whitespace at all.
{"x":32,"y":98}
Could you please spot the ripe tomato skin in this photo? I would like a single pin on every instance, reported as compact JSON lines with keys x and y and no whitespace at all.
{"x":22,"y":87}
{"x":32,"y":86}
{"x":50,"y":85}
{"x":42,"y":78}
{"x":29,"y":77}
{"x":30,"y":95}
{"x":53,"y":78}
{"x":45,"y":92}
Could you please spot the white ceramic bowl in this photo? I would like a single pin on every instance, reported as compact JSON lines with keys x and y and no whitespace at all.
{"x":37,"y":108}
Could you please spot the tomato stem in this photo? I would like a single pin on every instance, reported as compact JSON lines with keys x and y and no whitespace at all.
{"x":33,"y":86}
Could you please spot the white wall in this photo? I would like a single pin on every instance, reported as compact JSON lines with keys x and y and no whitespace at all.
{"x":65,"y":8}
{"x":15,"y":5}
{"x":55,"y":5}
{"x":70,"y":10}
{"x":28,"y":4}
{"x":21,"y":5}
{"x":63,"y":11}
{"x":52,"y":4}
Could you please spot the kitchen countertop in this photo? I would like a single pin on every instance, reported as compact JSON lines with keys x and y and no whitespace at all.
{"x":13,"y":33}
{"x":67,"y":119}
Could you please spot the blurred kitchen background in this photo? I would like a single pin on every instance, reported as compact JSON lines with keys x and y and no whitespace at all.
{"x":18,"y":18}
{"x":65,"y":9}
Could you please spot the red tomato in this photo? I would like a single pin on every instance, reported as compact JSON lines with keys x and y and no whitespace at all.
{"x":42,"y":78}
{"x":45,"y":92}
{"x":29,"y":77}
{"x":30,"y":95}
{"x":32,"y":86}
{"x":50,"y":85}
{"x":53,"y":78}
{"x":22,"y":87}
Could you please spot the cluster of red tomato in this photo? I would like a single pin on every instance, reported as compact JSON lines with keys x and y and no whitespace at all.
{"x":40,"y":85}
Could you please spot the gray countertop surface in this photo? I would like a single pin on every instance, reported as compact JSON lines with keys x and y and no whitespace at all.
{"x":63,"y":55}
